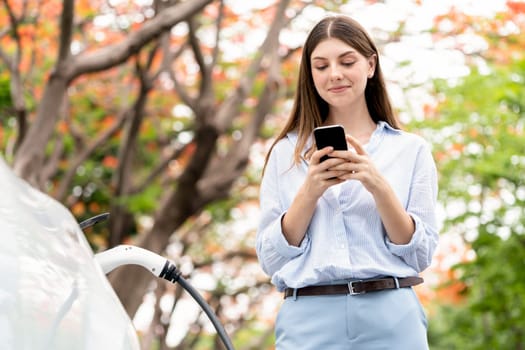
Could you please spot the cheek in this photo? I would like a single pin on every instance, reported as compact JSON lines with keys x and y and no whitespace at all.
{"x":318,"y":80}
{"x":358,"y":78}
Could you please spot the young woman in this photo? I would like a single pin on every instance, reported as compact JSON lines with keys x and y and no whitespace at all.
{"x":345,"y":238}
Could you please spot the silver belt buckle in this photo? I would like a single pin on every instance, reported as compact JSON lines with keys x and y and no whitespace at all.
{"x":351,"y":288}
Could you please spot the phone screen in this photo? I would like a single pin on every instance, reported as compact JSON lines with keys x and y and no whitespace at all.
{"x":331,"y":135}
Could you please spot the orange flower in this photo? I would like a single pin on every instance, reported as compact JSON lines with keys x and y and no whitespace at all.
{"x":78,"y":209}
{"x":110,"y":162}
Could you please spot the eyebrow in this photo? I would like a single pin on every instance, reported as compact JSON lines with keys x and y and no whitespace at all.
{"x":349,"y":52}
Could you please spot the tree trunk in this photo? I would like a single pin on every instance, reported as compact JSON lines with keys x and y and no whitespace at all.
{"x":30,"y":155}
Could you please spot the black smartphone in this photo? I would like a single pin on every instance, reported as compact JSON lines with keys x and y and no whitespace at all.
{"x":331,"y":135}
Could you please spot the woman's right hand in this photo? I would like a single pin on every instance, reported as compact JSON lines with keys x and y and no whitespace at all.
{"x":297,"y":218}
{"x":319,"y":176}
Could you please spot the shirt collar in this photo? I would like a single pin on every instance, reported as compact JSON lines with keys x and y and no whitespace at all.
{"x":382,"y":125}
{"x":382,"y":129}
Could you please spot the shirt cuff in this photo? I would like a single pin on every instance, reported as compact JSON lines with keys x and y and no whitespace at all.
{"x":281,"y":245}
{"x":405,"y":250}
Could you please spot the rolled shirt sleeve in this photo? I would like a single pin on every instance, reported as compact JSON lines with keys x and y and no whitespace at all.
{"x":273,"y":250}
{"x":421,"y":207}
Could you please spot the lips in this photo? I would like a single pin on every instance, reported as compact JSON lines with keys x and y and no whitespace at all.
{"x":337,"y":89}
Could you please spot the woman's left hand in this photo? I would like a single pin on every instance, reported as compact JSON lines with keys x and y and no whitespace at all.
{"x":358,"y":166}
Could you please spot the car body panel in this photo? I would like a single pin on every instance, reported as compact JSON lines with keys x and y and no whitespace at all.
{"x":53,"y":294}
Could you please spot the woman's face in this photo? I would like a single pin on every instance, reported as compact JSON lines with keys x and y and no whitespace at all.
{"x":340,"y":72}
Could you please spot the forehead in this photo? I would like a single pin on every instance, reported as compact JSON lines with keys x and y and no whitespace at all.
{"x":332,"y":47}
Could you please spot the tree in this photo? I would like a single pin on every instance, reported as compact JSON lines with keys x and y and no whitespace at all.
{"x":477,"y":128}
{"x":94,"y":127}
{"x":483,"y":186}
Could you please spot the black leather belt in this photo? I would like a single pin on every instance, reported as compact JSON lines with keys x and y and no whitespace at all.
{"x":355,"y":287}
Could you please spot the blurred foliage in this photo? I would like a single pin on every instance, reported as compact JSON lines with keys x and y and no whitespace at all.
{"x":5,"y":95}
{"x":478,"y":134}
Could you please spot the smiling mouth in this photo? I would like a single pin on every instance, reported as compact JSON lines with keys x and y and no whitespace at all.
{"x":339,"y":88}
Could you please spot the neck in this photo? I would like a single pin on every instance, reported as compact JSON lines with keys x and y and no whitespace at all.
{"x":355,"y":119}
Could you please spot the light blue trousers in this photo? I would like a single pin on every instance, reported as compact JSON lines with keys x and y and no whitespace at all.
{"x":389,"y":319}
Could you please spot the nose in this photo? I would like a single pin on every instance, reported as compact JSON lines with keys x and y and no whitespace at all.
{"x":335,"y":72}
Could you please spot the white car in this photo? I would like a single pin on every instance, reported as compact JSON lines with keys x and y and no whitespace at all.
{"x":53,"y":293}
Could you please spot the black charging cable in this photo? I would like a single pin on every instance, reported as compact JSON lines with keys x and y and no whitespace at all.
{"x":158,"y":266}
{"x":93,"y":220}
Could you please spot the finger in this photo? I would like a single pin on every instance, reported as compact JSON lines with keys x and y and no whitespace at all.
{"x":349,"y":176}
{"x":344,"y":167}
{"x":356,"y":144}
{"x":349,"y":166}
{"x":317,"y":155}
{"x":333,"y":177}
{"x":356,"y":172}
{"x":333,"y":161}
{"x":348,"y":156}
{"x":332,"y":174}
{"x":353,"y":174}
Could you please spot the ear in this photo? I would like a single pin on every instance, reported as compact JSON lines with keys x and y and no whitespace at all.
{"x":372,"y":62}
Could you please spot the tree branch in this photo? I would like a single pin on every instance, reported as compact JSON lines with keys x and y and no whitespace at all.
{"x":158,"y":170}
{"x":66,"y":29}
{"x":230,"y":107}
{"x":216,"y":184}
{"x":113,"y":55}
{"x":65,"y":182}
{"x":218,"y":25}
{"x":179,"y":88}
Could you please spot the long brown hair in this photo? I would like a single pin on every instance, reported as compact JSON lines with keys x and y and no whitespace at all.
{"x":309,"y":109}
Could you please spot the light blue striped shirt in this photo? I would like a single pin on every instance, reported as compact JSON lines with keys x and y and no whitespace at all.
{"x":345,"y":238}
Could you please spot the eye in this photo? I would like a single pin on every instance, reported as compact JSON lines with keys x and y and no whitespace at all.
{"x":320,"y":67}
{"x":348,"y":64}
